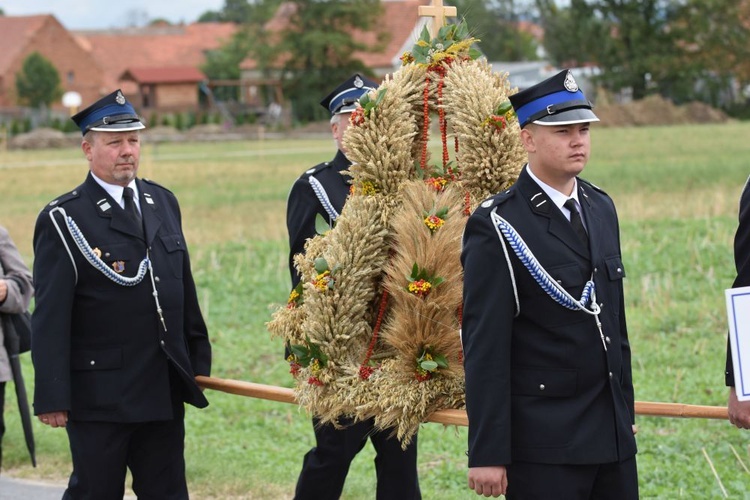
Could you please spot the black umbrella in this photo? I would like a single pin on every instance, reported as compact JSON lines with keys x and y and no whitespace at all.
{"x":12,"y":346}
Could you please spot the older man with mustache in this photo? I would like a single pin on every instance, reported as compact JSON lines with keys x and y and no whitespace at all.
{"x":117,"y":333}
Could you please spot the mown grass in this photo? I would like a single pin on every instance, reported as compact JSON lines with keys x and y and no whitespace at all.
{"x":676,"y":189}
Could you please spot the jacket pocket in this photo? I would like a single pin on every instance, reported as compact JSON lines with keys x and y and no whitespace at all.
{"x":174,"y":244}
{"x":615,"y":268}
{"x":543,"y":382}
{"x":568,"y":276}
{"x":96,"y":359}
{"x":96,"y":379}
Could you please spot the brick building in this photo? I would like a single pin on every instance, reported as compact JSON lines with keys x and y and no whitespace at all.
{"x":157,"y":67}
{"x":24,"y":35}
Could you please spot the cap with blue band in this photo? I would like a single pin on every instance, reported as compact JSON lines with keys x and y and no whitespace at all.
{"x":111,"y":113}
{"x":344,"y":98}
{"x":555,"y":101}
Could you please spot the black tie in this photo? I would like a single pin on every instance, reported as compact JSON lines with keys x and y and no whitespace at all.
{"x":576,"y":221}
{"x":130,"y":208}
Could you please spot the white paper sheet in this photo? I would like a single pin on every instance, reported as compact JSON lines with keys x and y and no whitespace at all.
{"x":738,"y":315}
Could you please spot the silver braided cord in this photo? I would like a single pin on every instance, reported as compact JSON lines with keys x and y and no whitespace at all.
{"x":90,"y":256}
{"x":540,"y":275}
{"x":320,"y":192}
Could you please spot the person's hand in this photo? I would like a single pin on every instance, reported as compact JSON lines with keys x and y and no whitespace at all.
{"x":635,"y":429}
{"x":3,"y":290}
{"x":739,"y":411}
{"x":488,"y":481}
{"x":54,"y":419}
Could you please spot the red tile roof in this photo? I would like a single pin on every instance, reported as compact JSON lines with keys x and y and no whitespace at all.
{"x":399,"y":20}
{"x":154,"y":47}
{"x":17,"y":32}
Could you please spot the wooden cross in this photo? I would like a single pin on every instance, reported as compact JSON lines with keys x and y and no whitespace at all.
{"x":438,"y":13}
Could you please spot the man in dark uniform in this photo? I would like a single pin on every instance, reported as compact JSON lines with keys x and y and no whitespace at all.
{"x":322,"y":191}
{"x":549,"y":393}
{"x":739,"y":411}
{"x":117,"y":333}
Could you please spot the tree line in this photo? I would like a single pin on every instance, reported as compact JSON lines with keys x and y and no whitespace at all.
{"x":683,"y":50}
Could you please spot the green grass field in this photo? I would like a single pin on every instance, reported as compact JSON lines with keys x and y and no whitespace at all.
{"x":676,"y":189}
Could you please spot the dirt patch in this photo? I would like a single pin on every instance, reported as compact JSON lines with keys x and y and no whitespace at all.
{"x":655,"y":110}
{"x":43,"y":138}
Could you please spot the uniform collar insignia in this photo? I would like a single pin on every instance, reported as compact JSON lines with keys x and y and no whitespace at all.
{"x":103,"y":205}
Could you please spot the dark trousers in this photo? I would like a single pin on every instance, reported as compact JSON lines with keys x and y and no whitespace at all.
{"x":613,"y":481}
{"x":325,"y":467}
{"x":101,"y":452}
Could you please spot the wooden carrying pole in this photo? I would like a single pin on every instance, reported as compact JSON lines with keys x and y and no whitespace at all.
{"x":452,"y":417}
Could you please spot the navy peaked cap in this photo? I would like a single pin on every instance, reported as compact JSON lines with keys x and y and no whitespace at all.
{"x":111,"y":113}
{"x":555,"y":101}
{"x":343,"y":99}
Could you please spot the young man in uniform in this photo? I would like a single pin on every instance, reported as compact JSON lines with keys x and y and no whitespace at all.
{"x":549,"y":392}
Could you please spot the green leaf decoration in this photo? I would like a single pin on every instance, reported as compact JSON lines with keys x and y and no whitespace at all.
{"x":425,"y":35}
{"x":321,"y":265}
{"x":474,"y":53}
{"x":321,"y":225}
{"x":381,"y":94}
{"x":444,"y":32}
{"x":428,"y":365}
{"x":462,"y":31}
{"x":503,"y":108}
{"x":441,"y":360}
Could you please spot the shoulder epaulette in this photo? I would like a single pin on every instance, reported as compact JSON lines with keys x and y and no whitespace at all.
{"x":71,"y":195}
{"x":592,"y":185}
{"x":487,"y":205}
{"x":153,"y":183}
{"x":317,"y":168}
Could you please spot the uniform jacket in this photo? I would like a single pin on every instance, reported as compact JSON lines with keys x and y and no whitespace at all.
{"x":540,"y":387}
{"x":18,"y":279}
{"x":303,"y":205}
{"x":98,"y":348}
{"x":741,"y":262}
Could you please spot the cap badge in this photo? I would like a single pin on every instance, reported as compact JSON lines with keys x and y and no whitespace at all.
{"x":570,"y":83}
{"x":120,"y":99}
{"x":358,"y":82}
{"x":118,"y":266}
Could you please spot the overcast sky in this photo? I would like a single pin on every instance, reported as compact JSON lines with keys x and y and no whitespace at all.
{"x":102,"y":14}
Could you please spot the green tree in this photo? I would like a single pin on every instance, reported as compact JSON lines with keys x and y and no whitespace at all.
{"x":320,"y":50}
{"x":242,"y":12}
{"x":38,"y":82}
{"x":713,"y":56}
{"x":497,"y":24}
{"x":682,"y":49}
{"x":249,"y":40}
{"x":630,"y":40}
